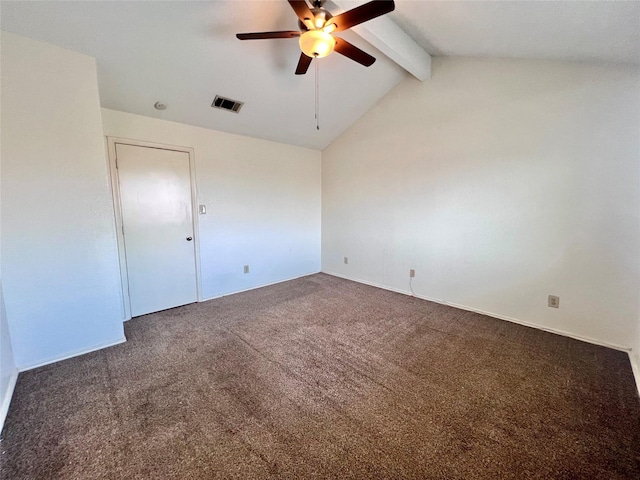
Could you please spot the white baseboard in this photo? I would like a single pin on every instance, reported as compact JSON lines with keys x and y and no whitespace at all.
{"x":6,"y":401}
{"x":258,"y":286}
{"x":490,"y":314}
{"x":206,"y":299}
{"x":543,"y":328}
{"x":75,"y":353}
{"x":633,"y":358}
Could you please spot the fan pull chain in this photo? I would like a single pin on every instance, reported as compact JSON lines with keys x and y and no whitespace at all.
{"x":317,"y":93}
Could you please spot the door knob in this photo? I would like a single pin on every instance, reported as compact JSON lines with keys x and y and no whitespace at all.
{"x":189,"y":239}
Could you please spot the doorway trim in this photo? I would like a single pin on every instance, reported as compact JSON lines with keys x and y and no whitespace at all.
{"x":117,"y":207}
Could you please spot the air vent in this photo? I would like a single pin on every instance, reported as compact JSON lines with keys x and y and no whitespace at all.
{"x":227,"y":104}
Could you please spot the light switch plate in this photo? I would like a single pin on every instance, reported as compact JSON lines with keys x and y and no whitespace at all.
{"x":202,"y":209}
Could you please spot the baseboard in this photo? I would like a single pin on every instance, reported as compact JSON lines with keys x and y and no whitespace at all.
{"x":259,"y":286}
{"x":490,"y":314}
{"x":206,"y":299}
{"x":76,"y":353}
{"x":383,"y":287}
{"x":635,"y":367}
{"x":6,"y":401}
{"x":544,"y":328}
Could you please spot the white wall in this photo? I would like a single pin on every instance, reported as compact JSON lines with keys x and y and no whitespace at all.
{"x":263,"y":202}
{"x":500,"y":182}
{"x":8,"y":369}
{"x":59,"y":256}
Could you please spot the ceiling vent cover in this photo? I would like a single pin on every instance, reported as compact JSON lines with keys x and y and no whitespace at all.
{"x":227,"y":104}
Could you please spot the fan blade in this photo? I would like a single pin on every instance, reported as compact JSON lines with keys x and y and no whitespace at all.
{"x":354,"y":53}
{"x":361,"y":14}
{"x":302,"y":9}
{"x":264,"y":35}
{"x":303,"y":64}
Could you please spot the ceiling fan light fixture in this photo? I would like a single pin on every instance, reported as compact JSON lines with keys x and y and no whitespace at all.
{"x":317,"y":26}
{"x":316,"y":43}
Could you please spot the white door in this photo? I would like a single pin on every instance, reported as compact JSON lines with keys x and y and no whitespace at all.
{"x":155,"y":199}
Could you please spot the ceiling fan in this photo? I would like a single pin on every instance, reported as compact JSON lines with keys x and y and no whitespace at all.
{"x":317,"y":26}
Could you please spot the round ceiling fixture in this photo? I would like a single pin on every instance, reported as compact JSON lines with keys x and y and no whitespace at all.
{"x":316,"y":43}
{"x":159,"y":106}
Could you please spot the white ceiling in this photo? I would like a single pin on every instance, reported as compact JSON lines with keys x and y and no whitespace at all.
{"x":598,"y":31}
{"x":184,"y":53}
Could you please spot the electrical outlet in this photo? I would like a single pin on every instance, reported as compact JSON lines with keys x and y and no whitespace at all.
{"x":554,"y":302}
{"x":246,"y":269}
{"x":346,"y":260}
{"x":412,"y":273}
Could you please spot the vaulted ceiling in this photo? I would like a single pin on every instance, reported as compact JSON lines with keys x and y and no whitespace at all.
{"x":184,"y":53}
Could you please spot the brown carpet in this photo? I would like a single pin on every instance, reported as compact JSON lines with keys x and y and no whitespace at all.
{"x":325,"y":378}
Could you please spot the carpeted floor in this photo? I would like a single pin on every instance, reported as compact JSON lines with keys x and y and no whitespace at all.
{"x":325,"y":378}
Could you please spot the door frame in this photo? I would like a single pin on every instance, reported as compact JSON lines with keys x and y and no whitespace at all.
{"x":117,"y":207}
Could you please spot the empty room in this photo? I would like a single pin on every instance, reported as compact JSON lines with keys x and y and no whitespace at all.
{"x":340,"y":239}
